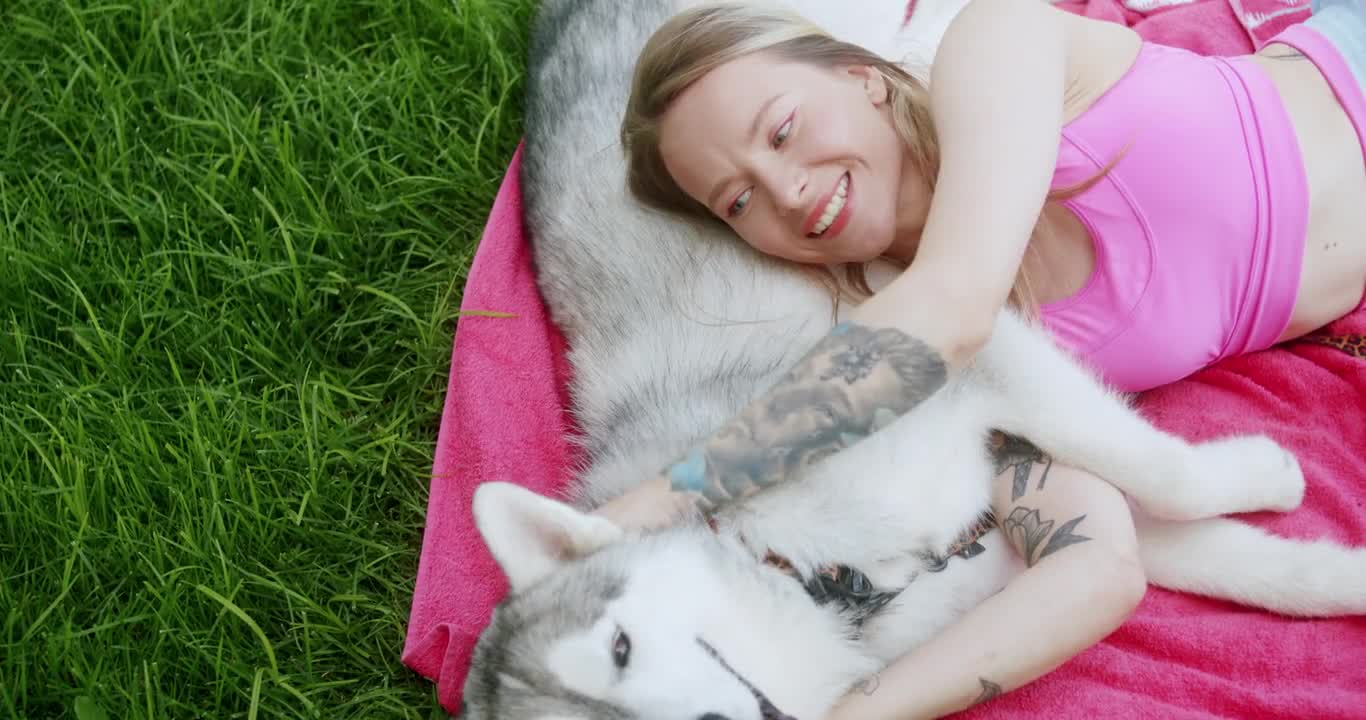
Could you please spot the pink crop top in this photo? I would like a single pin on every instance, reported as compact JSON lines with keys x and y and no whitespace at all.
{"x":1199,"y":230}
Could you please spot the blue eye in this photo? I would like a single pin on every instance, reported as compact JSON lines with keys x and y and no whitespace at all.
{"x":738,"y":206}
{"x":781,"y":136}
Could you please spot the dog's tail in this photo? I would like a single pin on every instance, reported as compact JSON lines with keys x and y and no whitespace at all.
{"x":1231,"y":560}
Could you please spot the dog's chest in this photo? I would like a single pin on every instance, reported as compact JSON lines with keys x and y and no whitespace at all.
{"x":858,"y":593}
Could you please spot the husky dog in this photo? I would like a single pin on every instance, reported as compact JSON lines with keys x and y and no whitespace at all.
{"x":672,"y":328}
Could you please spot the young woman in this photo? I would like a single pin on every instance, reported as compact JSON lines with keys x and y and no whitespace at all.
{"x":1156,"y":210}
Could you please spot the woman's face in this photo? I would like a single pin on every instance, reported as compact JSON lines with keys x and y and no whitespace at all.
{"x":802,"y":161}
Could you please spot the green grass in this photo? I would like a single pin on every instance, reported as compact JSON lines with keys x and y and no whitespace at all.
{"x":233,"y":235}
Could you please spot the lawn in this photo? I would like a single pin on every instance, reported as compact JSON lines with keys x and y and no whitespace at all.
{"x":233,"y":235}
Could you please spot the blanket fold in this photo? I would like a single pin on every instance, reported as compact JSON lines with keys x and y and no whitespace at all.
{"x":506,"y":418}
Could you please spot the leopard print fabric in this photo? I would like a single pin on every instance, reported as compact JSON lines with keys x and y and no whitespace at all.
{"x":1352,"y":344}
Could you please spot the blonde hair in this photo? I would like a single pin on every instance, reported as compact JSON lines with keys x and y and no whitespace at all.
{"x":696,"y":41}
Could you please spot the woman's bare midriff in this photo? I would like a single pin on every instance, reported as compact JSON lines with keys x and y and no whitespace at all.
{"x":1333,"y":275}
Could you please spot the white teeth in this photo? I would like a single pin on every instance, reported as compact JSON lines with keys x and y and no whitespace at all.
{"x":832,"y":210}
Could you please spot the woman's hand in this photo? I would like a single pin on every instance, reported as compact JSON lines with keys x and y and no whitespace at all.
{"x":648,"y":506}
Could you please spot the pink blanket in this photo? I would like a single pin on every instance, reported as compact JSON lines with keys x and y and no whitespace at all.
{"x":1209,"y":27}
{"x":1178,"y":657}
{"x":1186,"y":657}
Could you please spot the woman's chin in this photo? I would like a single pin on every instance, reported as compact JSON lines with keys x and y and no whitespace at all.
{"x":865,"y":252}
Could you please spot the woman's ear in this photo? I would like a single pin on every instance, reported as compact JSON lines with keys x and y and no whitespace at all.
{"x":874,"y":83}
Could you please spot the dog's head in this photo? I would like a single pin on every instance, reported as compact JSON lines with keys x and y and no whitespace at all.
{"x":679,"y":624}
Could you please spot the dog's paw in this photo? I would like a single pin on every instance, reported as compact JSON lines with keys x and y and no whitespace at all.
{"x":1233,"y":475}
{"x":1256,"y":471}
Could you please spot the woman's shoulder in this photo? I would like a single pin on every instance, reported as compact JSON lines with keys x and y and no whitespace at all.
{"x":1099,"y":52}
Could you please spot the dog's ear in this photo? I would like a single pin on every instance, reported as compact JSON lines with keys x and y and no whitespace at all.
{"x":531,"y":535}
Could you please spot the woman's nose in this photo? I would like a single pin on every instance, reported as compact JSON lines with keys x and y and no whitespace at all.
{"x":788,"y":187}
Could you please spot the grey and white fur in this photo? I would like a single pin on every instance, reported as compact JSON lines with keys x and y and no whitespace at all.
{"x":673,"y":327}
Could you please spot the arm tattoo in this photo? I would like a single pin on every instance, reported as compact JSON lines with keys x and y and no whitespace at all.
{"x":1013,"y":452}
{"x":857,"y":380}
{"x":990,"y":691}
{"x":1024,"y":527}
{"x":869,"y":685}
{"x":1029,"y":532}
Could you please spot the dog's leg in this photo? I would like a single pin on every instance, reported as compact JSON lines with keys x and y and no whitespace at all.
{"x":1050,"y":400}
{"x":1231,"y":560}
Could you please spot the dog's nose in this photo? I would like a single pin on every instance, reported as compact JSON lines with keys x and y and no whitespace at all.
{"x":713,"y":716}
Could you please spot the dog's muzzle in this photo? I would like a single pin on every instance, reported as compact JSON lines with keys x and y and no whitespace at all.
{"x":767,"y":710}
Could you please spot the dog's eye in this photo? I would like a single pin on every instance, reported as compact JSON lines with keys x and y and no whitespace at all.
{"x":621,"y":649}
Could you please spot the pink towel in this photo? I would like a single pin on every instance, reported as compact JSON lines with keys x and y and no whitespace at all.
{"x":1179,"y":657}
{"x":504,"y":419}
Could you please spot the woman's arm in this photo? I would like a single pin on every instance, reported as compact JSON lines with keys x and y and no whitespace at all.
{"x":1083,"y":581}
{"x":997,"y":95}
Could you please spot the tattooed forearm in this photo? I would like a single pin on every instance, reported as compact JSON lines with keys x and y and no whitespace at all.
{"x":1034,"y":536}
{"x":1009,"y":452}
{"x":856,"y":380}
{"x":990,"y":690}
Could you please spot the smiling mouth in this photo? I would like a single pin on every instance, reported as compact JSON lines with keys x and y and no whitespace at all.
{"x":767,"y":710}
{"x":833,"y":208}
